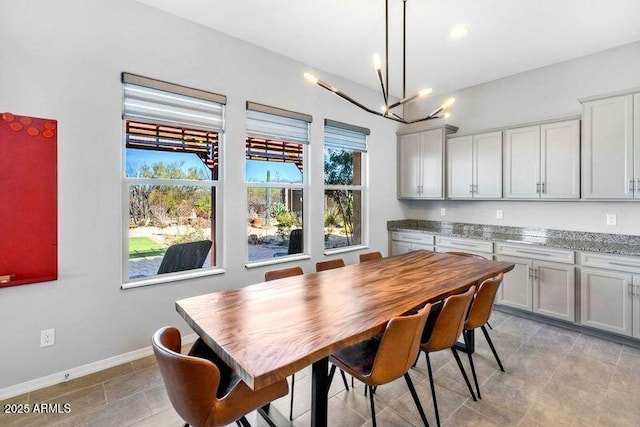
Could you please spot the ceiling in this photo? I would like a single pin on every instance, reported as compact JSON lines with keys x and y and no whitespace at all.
{"x":340,"y":36}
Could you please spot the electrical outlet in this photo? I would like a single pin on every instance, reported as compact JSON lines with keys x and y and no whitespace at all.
{"x":443,"y":212}
{"x":612,"y":219}
{"x":498,"y":213}
{"x":47,"y":337}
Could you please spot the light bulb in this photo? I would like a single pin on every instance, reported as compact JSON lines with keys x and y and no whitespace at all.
{"x":311,"y":78}
{"x":384,"y":109}
{"x":459,"y":31}
{"x":447,"y":115}
{"x":376,"y":62}
{"x":448,"y":103}
{"x":425,"y":92}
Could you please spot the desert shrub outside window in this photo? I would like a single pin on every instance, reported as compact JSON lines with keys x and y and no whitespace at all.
{"x":345,"y":190}
{"x":275,"y":148}
{"x":171,"y":176}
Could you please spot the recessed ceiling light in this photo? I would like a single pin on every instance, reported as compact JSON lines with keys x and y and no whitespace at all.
{"x":459,"y":31}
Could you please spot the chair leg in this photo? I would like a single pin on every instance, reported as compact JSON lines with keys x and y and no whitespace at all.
{"x":464,"y":373}
{"x":489,"y":325}
{"x":373,"y":409}
{"x":243,"y":422}
{"x":493,"y":349}
{"x":293,"y":385}
{"x":332,"y":372}
{"x":433,"y":389}
{"x":473,"y":368}
{"x":344,"y":380}
{"x":416,"y":399}
{"x":352,"y":385}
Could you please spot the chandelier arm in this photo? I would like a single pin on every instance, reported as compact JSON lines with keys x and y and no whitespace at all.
{"x":404,"y":101}
{"x":346,"y":97}
{"x":424,"y":119}
{"x":404,"y":48}
{"x":380,"y":79}
{"x":386,"y":44}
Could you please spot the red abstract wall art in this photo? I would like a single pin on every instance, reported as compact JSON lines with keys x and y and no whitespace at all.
{"x":28,"y":200}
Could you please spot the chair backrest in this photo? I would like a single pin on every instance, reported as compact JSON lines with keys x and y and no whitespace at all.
{"x":185,"y":256}
{"x":466,"y":254}
{"x":449,"y":323}
{"x":281,"y":274}
{"x":295,"y":242}
{"x":370,"y":256}
{"x":482,"y":304}
{"x":191,"y":382}
{"x":399,"y":347}
{"x":329,"y":265}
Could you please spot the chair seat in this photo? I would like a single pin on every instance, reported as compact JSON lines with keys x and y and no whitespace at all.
{"x":229,"y":380}
{"x":357,"y":359}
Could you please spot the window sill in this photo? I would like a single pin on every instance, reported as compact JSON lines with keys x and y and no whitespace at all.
{"x":173,"y":277}
{"x":344,"y":250}
{"x":277,"y":260}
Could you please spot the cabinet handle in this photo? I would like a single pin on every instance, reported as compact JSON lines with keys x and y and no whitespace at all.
{"x":470,"y":245}
{"x":622,"y":264}
{"x":544,"y":190}
{"x":535,"y":273}
{"x":637,"y":184}
{"x":537,"y":187}
{"x":631,"y":185}
{"x":471,"y":188}
{"x":630,"y":290}
{"x":475,"y":188}
{"x":530,"y":270}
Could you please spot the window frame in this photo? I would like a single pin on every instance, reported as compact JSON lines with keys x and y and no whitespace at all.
{"x":304,"y":186}
{"x":216,"y":184}
{"x":363,"y":187}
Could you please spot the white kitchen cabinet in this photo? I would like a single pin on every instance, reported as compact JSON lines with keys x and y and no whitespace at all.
{"x":421,"y":164}
{"x":543,"y":280}
{"x":403,"y":242}
{"x":610,"y":293}
{"x":610,"y":162}
{"x":543,"y":161}
{"x":474,"y":166}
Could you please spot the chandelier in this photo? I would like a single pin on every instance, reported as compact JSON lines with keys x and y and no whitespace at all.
{"x":383,"y":77}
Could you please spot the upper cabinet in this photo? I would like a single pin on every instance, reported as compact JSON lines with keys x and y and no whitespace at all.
{"x":542,"y":161}
{"x":421,"y":164}
{"x":610,"y":153}
{"x":474,"y":166}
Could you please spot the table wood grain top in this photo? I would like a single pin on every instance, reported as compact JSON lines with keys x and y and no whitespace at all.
{"x":270,"y":330}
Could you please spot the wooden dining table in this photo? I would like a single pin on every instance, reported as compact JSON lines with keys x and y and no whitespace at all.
{"x":268,"y":331}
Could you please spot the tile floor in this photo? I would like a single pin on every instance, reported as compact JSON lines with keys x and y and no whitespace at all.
{"x":554,"y":377}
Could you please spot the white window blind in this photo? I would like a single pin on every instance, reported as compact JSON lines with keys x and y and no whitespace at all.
{"x":289,"y":126}
{"x":346,"y":137}
{"x":152,"y":105}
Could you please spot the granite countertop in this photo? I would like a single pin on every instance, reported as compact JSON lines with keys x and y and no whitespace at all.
{"x":618,"y":244}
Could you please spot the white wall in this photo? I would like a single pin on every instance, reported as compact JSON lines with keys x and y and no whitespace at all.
{"x":63,"y":60}
{"x":540,"y":94}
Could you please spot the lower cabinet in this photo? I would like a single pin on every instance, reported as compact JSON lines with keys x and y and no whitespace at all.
{"x":611,"y":301}
{"x":403,"y":242}
{"x":546,"y":288}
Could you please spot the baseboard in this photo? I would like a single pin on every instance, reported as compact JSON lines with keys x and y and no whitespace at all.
{"x":80,"y":371}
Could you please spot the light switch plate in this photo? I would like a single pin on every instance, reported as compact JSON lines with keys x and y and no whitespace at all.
{"x":498,"y":213}
{"x":612,"y":219}
{"x":443,"y":212}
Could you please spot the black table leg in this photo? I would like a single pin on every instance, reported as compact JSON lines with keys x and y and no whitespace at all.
{"x":319,"y":398}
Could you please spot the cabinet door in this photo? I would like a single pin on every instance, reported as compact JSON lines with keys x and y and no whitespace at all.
{"x":460,"y":167}
{"x":554,"y":290}
{"x":607,"y":300}
{"x":522,"y":163}
{"x":398,"y":248}
{"x":560,"y":160}
{"x":636,"y":142}
{"x":409,"y":164}
{"x":432,"y":164}
{"x":607,"y":148}
{"x":516,"y":288}
{"x":421,"y":247}
{"x":487,"y":161}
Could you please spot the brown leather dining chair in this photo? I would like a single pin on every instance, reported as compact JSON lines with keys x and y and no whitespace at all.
{"x":203,"y":390}
{"x":281,"y":274}
{"x":379,"y":361}
{"x":443,"y":327}
{"x":370,"y":256}
{"x":329,"y":265}
{"x":478,"y":317}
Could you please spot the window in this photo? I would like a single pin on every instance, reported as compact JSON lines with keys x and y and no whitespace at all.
{"x":345,"y":149}
{"x":171,"y":143}
{"x":274,"y":172}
